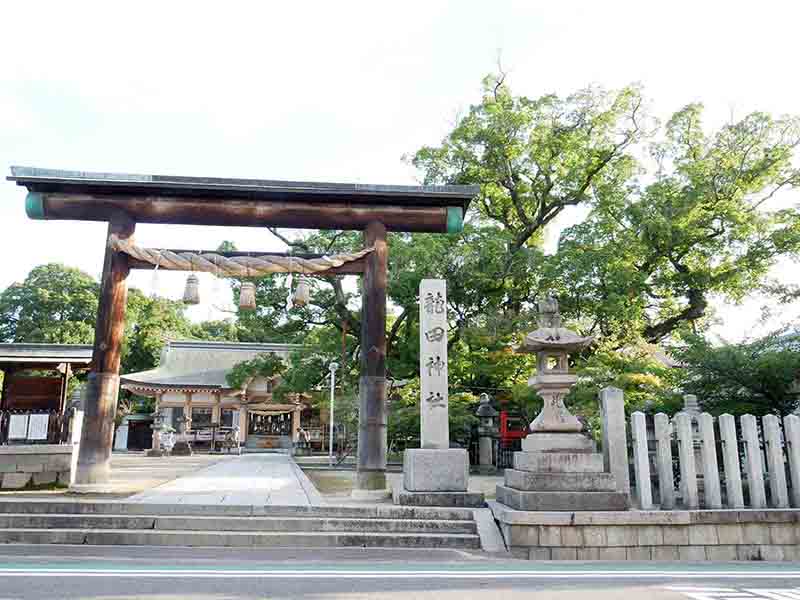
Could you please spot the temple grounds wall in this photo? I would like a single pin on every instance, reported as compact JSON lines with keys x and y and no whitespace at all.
{"x":34,"y":465}
{"x":720,"y":535}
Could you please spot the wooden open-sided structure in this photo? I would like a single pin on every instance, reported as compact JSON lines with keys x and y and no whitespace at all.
{"x":123,"y":200}
{"x":36,"y":379}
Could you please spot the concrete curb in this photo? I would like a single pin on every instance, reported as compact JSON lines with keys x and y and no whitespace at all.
{"x":491,"y":538}
{"x":310,"y":490}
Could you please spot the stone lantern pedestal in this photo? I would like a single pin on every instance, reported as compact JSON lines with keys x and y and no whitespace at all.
{"x":559,"y":468}
{"x":183,"y":447}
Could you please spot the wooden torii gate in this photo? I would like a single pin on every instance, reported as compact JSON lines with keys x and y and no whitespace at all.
{"x":123,"y":200}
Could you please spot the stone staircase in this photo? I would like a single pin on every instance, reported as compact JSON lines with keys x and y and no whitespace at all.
{"x":117,"y":523}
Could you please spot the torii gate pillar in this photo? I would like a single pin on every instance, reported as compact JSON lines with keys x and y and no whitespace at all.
{"x":102,"y":386}
{"x":371,"y":470}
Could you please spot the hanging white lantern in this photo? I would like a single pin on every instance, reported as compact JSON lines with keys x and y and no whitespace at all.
{"x":302,"y":293}
{"x":247,"y":296}
{"x":191,"y":293}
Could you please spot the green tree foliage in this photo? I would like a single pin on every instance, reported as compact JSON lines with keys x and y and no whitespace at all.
{"x":666,"y":230}
{"x":149,"y":324}
{"x":533,"y":157}
{"x":226,"y":330}
{"x":265,"y":365}
{"x":758,"y":377}
{"x":403,"y":429}
{"x":647,"y":262}
{"x":648,"y":380}
{"x":55,"y":304}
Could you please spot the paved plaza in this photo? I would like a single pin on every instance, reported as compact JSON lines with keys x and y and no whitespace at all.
{"x":250,"y":479}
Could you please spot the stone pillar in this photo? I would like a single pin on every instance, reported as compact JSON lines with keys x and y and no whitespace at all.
{"x":791,"y":426}
{"x":434,"y":424}
{"x":730,"y":460}
{"x":155,"y":450}
{"x":641,"y":461}
{"x":754,"y":467}
{"x":777,"y":469}
{"x":708,"y":449}
{"x":666,"y":478}
{"x":683,"y":426}
{"x":435,"y":475}
{"x":615,"y":444}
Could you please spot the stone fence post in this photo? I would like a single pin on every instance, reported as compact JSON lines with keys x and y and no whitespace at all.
{"x":683,"y":428}
{"x":791,"y":426}
{"x":641,"y":461}
{"x":615,"y":444}
{"x":711,"y":487}
{"x":666,"y":479}
{"x":730,"y":460}
{"x":779,"y":494}
{"x":754,"y":466}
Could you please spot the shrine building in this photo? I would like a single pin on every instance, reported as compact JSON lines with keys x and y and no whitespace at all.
{"x":193,"y":396}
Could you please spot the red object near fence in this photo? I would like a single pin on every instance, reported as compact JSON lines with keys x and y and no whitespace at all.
{"x":512,"y":427}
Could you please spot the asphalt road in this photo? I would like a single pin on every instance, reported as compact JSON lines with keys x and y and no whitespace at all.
{"x":158,"y":573}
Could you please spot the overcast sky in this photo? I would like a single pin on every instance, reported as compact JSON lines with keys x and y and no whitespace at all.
{"x":336,"y":91}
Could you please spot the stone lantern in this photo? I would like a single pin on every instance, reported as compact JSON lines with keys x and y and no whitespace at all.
{"x":487,"y":432}
{"x":157,"y":427}
{"x":559,"y":468}
{"x":552,"y":345}
{"x":183,"y":447}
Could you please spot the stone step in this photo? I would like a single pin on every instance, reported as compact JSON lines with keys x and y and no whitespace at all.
{"x":558,"y":462}
{"x":231,"y":524}
{"x":141,"y":508}
{"x":128,"y":537}
{"x":560,"y":482}
{"x":561,"y":501}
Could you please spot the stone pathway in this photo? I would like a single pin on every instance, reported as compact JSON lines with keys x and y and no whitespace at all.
{"x":250,"y":479}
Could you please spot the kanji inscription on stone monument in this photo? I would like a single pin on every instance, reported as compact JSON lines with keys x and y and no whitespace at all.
{"x":433,"y":364}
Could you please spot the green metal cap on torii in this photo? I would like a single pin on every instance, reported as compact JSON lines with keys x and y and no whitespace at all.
{"x":91,"y":196}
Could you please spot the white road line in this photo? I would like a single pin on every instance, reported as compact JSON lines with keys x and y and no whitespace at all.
{"x":709,"y":593}
{"x":372,"y":574}
{"x":683,"y":588}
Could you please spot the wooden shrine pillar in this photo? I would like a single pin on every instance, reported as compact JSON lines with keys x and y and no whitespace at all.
{"x":102,"y":386}
{"x":371,"y":471}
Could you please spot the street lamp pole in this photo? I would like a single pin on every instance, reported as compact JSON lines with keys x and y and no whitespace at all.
{"x":333,"y":366}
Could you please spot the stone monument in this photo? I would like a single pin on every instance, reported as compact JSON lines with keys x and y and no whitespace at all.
{"x":559,"y":468}
{"x":435,"y":474}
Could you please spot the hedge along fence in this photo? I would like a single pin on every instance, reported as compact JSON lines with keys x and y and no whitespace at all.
{"x":696,"y":460}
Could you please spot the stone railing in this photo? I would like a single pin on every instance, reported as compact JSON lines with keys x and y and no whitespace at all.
{"x":696,"y":461}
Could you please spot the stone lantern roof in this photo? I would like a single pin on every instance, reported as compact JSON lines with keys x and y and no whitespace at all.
{"x":485,"y":408}
{"x":554,"y":339}
{"x":551,"y":337}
